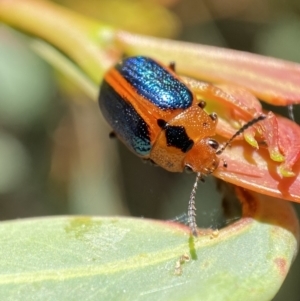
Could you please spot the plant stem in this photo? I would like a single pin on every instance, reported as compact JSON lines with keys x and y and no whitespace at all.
{"x":83,"y":39}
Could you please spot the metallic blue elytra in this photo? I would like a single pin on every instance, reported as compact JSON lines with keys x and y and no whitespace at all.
{"x":124,"y":120}
{"x":155,"y":84}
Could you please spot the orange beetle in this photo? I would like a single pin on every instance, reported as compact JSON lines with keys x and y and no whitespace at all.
{"x":160,"y":119}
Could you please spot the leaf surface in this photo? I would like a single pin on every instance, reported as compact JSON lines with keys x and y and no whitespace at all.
{"x":272,"y":80}
{"x":90,"y":258}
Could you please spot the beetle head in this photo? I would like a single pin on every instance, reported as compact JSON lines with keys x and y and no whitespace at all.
{"x":202,"y":156}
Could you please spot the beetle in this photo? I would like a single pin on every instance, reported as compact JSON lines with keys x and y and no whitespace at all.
{"x":154,"y":113}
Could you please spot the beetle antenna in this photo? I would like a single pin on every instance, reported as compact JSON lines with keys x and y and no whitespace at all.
{"x":240,"y":131}
{"x":192,"y":207}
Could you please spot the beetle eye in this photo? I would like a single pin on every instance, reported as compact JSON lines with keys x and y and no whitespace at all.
{"x":213,"y":116}
{"x":213,"y":143}
{"x":188,"y":169}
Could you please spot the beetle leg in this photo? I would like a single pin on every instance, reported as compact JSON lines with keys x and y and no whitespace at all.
{"x":172,"y":66}
{"x":112,"y":134}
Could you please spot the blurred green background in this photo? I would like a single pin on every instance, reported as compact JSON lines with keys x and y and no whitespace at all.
{"x":55,"y":154}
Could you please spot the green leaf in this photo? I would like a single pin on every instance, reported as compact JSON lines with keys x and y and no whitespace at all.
{"x":93,"y":258}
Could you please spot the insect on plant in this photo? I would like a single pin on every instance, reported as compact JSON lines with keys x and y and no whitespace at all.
{"x":161,"y":120}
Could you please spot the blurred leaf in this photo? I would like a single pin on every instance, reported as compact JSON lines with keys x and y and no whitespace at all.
{"x":131,"y":15}
{"x":78,"y":35}
{"x":26,"y":84}
{"x":90,"y":258}
{"x":14,"y":163}
{"x":66,"y":66}
{"x":281,"y":38}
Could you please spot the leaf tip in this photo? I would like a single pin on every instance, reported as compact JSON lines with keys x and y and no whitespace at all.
{"x":285,"y":171}
{"x":276,"y":156}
